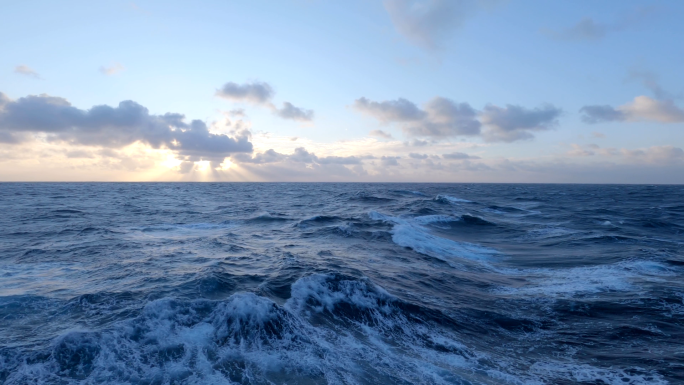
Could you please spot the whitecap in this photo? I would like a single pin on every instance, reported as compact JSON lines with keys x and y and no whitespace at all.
{"x":410,"y":233}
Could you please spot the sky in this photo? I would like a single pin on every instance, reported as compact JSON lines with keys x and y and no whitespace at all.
{"x":525,"y":91}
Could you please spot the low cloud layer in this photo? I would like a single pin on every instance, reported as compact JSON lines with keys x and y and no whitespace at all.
{"x":300,"y":155}
{"x":642,"y":108}
{"x":443,"y":118}
{"x":261,"y":94}
{"x":430,"y":23}
{"x":662,"y":155}
{"x":112,"y":127}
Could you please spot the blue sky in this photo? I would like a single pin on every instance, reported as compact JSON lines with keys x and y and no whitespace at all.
{"x":547,"y":58}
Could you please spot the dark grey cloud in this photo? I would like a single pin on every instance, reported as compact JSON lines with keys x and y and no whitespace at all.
{"x":459,"y":156}
{"x":440,"y":118}
{"x":295,"y":113}
{"x":254,"y":92}
{"x":381,"y":134}
{"x":445,"y":118}
{"x":588,"y":29}
{"x":114,"y":127}
{"x":261,"y":93}
{"x":516,"y":123}
{"x":26,"y":71}
{"x":400,"y":110}
{"x":430,"y":23}
{"x":414,"y":155}
{"x":600,"y":114}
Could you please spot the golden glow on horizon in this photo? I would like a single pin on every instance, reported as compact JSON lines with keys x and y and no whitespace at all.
{"x":203,"y":165}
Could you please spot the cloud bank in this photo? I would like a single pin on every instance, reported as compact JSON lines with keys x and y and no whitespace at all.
{"x":112,"y":127}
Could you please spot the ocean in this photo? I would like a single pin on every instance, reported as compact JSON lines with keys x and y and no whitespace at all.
{"x":288,"y":283}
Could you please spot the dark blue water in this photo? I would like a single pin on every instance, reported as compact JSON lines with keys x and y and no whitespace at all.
{"x":341,"y":284}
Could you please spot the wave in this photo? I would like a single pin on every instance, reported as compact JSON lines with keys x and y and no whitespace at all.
{"x":188,"y":226}
{"x":370,"y":198}
{"x":450,"y":199}
{"x":334,"y":329}
{"x":586,"y":280}
{"x":409,"y":192}
{"x":411,"y":234}
{"x":318,"y":220}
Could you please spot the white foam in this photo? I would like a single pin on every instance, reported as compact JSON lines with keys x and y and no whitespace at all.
{"x":586,"y":280}
{"x":360,"y":293}
{"x":583,"y":373}
{"x":451,"y":199}
{"x":410,"y":233}
{"x":432,"y":219}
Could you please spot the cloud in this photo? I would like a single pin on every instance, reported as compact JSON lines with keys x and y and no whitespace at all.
{"x":400,"y":110}
{"x":430,"y":23}
{"x":585,"y":29}
{"x":239,"y":112}
{"x":112,"y":70}
{"x":417,"y":143}
{"x":642,"y":108}
{"x":254,"y":92}
{"x":413,"y":155}
{"x":515,"y":122}
{"x":26,"y":71}
{"x":300,"y":155}
{"x":389,"y":161}
{"x":440,"y":118}
{"x":650,"y":81}
{"x":261,"y":93}
{"x":295,"y":113}
{"x":445,"y":118}
{"x":589,"y":30}
{"x":597,"y":134}
{"x":664,"y":155}
{"x":114,"y":127}
{"x":380,"y":134}
{"x":577,"y":150}
{"x":459,"y":156}
{"x":655,"y":154}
